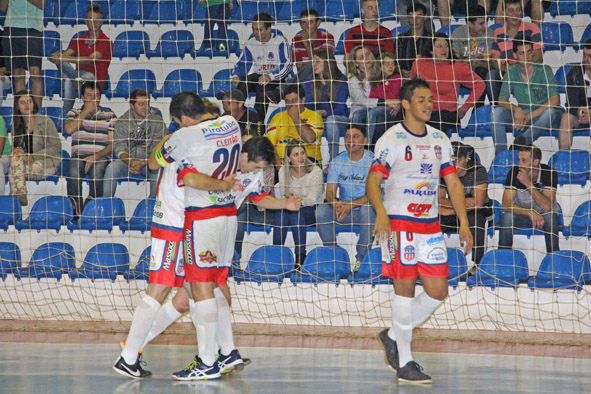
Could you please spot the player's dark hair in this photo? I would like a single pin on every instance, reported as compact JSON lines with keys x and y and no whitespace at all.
{"x":138,"y":93}
{"x":427,"y":50}
{"x":507,"y":2}
{"x":408,"y":89}
{"x":474,"y":12}
{"x":265,"y":18}
{"x":93,"y":85}
{"x":415,"y":6}
{"x":260,"y":148}
{"x":95,"y":8}
{"x":187,"y":104}
{"x":309,"y":12}
{"x":358,"y":126}
{"x":521,"y":39}
{"x":534,"y":152}
{"x":294,"y":88}
{"x":587,"y":44}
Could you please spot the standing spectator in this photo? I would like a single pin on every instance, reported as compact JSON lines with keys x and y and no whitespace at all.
{"x":474,"y":179}
{"x":301,"y":178}
{"x":217,"y":12}
{"x":5,"y":151}
{"x":248,"y":120}
{"x":377,"y":38}
{"x":326,"y":93}
{"x":22,"y":43}
{"x":529,"y":199}
{"x":37,"y":146}
{"x":445,"y":77}
{"x":446,"y":8}
{"x":91,"y":129}
{"x":502,"y":51}
{"x":533,"y":8}
{"x":137,"y":132}
{"x":91,"y":53}
{"x":5,"y":82}
{"x":538,"y":99}
{"x":297,"y":123}
{"x":410,"y":44}
{"x":265,"y":63}
{"x":578,"y":100}
{"x":347,"y":174}
{"x":472,"y":43}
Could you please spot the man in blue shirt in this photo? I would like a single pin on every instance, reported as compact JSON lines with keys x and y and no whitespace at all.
{"x":347,"y":174}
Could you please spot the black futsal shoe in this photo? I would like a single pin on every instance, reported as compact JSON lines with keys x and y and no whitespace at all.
{"x":390,"y":350}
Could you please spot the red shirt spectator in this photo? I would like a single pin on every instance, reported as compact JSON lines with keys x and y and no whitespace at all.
{"x":503,"y":42}
{"x":387,"y":90}
{"x":378,"y":41}
{"x":99,"y":67}
{"x":323,"y":40}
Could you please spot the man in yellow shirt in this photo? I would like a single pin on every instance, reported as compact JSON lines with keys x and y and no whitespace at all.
{"x":296,"y":123}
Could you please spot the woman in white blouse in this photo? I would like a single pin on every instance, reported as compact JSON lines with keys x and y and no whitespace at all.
{"x":299,"y":177}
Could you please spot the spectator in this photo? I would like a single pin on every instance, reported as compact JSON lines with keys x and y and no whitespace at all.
{"x":410,"y":44}
{"x":502,"y":53}
{"x":377,"y":38}
{"x":22,"y":43}
{"x":91,"y":53}
{"x":529,"y":199}
{"x":91,"y":129}
{"x":37,"y":146}
{"x":402,"y":6}
{"x":326,"y":93}
{"x":233,"y":104}
{"x":5,"y":82}
{"x":534,"y":8}
{"x":347,"y":174}
{"x":297,"y":123}
{"x":301,"y":178}
{"x":474,"y":179}
{"x":472,"y":43}
{"x":217,"y":12}
{"x":265,"y":63}
{"x":446,"y":8}
{"x":578,"y":100}
{"x":445,"y":77}
{"x":136,"y":134}
{"x":5,"y":151}
{"x":212,"y":107}
{"x":536,"y":90}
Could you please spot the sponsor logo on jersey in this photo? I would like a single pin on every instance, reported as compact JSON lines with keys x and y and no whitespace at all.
{"x":426,"y":168}
{"x":437,"y":255}
{"x":437,"y":135}
{"x":423,"y":189}
{"x":188,"y":244}
{"x":435,"y":240}
{"x":401,"y":136}
{"x":419,"y":209}
{"x":227,"y":141}
{"x":221,"y":198}
{"x":219,"y":128}
{"x":208,"y":257}
{"x":383,"y":155}
{"x":169,"y":256}
{"x":423,"y":147}
{"x":437,"y":150}
{"x":409,"y":252}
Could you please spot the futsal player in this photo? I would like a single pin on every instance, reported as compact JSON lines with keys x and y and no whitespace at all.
{"x":410,"y":158}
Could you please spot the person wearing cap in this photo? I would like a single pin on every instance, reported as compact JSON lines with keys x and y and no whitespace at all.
{"x":233,"y":104}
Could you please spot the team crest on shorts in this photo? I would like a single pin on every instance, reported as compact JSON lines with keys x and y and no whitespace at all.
{"x":179,"y":268}
{"x":208,"y":257}
{"x":437,"y":149}
{"x":409,"y":252}
{"x":153,"y":261}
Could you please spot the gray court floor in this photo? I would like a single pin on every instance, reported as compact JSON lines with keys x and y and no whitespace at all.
{"x":64,"y":368}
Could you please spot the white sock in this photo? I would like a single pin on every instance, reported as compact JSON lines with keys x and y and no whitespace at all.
{"x":402,"y":326}
{"x":143,"y":318}
{"x":224,"y":334}
{"x":206,"y":315}
{"x":423,"y":307}
{"x":192,"y":311}
{"x":167,"y":314}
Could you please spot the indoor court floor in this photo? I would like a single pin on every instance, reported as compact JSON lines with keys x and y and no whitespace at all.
{"x":86,"y":368}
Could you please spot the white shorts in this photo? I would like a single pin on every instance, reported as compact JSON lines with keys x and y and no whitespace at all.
{"x":167,"y":266}
{"x":408,"y":254}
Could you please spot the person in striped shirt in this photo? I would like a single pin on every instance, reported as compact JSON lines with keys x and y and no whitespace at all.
{"x":370,"y":33}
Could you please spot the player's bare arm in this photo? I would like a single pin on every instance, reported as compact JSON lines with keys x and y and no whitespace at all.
{"x":372,"y":188}
{"x":291,"y":203}
{"x":456,"y":195}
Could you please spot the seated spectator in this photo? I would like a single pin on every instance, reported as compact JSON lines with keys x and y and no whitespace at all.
{"x":538,"y":99}
{"x":347,"y":174}
{"x":402,"y":7}
{"x":297,"y":123}
{"x":578,"y":100}
{"x":472,"y":43}
{"x":233,"y":105}
{"x":5,"y":151}
{"x":91,"y":53}
{"x":301,"y":178}
{"x":137,"y":132}
{"x":529,"y":200}
{"x":211,"y":107}
{"x":410,"y":44}
{"x":533,"y":8}
{"x":502,"y":53}
{"x":36,"y":149}
{"x":377,"y":38}
{"x":326,"y":94}
{"x":265,"y":63}
{"x":445,"y":77}
{"x":474,"y":179}
{"x":91,"y":129}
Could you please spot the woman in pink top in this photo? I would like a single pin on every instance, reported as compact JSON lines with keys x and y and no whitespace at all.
{"x":445,"y":77}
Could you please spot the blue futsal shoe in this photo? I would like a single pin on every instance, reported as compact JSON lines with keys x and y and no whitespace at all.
{"x":197,"y":370}
{"x":231,"y":363}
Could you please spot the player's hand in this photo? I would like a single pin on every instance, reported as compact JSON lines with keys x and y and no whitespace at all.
{"x":519,"y":119}
{"x":293,"y":203}
{"x":264,"y":79}
{"x":524,"y":177}
{"x":381,"y":229}
{"x":90,"y":160}
{"x":231,"y":184}
{"x":537,"y":220}
{"x":235,"y":81}
{"x":466,"y":238}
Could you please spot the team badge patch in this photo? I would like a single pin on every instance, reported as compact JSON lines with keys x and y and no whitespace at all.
{"x":208,"y":257}
{"x":437,"y":149}
{"x":409,"y":253}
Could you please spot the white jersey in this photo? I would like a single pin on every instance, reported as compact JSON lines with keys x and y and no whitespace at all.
{"x":212,"y":148}
{"x":253,"y":186}
{"x":273,"y":58}
{"x":169,"y":210}
{"x":412,"y":166}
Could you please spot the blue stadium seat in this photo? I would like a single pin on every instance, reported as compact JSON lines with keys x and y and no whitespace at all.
{"x":142,"y":269}
{"x":102,"y":213}
{"x":497,"y":215}
{"x":580,"y":225}
{"x":249,"y":228}
{"x":585,"y":37}
{"x":388,"y":10}
{"x":448,"y":30}
{"x":185,"y":80}
{"x":10,"y":258}
{"x":103,"y":261}
{"x":141,"y":220}
{"x":132,"y":80}
{"x":51,"y":13}
{"x":52,"y":83}
{"x":167,"y":12}
{"x":569,"y":7}
{"x":48,"y":212}
{"x":501,"y":165}
{"x":267,"y":264}
{"x":340,"y":47}
{"x":57,"y":115}
{"x":458,"y":267}
{"x":572,"y":166}
{"x":370,"y":270}
{"x":6,"y":113}
{"x":556,"y":36}
{"x":565,"y":269}
{"x":219,"y":83}
{"x":561,"y":74}
{"x":289,"y":12}
{"x":479,"y":124}
{"x":52,"y":42}
{"x":339,"y":10}
{"x":131,"y":43}
{"x":324,"y":264}
{"x":232,"y":46}
{"x":125,"y":12}
{"x":248,"y":9}
{"x":399,"y":30}
{"x":10,"y":211}
{"x":76,"y":12}
{"x":50,"y":260}
{"x":500,"y":268}
{"x":174,"y":43}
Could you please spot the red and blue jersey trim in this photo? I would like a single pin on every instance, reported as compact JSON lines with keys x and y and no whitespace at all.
{"x":254,"y":197}
{"x":384,"y":168}
{"x":446,"y":169}
{"x":203,"y":213}
{"x":166,"y":233}
{"x":414,"y":225}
